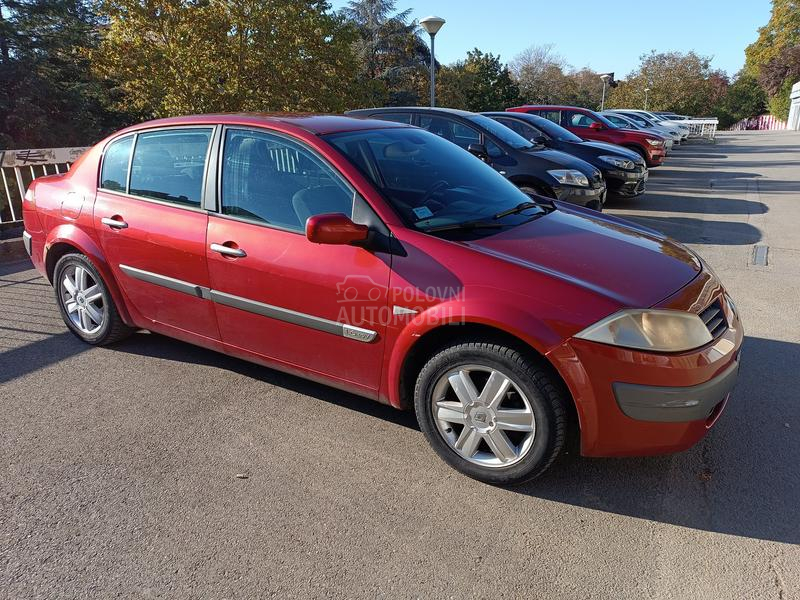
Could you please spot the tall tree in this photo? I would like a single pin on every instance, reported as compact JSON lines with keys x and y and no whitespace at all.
{"x":48,"y":95}
{"x":479,"y":83}
{"x":539,"y":71}
{"x":393,"y":57}
{"x":744,"y":98}
{"x":186,"y":56}
{"x":773,"y":57}
{"x":681,"y":82}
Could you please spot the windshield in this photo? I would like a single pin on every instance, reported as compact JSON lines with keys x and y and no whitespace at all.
{"x":429,"y":181}
{"x":552,"y":129}
{"x":510,"y":137}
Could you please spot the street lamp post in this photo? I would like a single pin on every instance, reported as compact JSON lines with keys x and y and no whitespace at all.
{"x":432,"y":25}
{"x":605,"y":77}
{"x":646,"y":91}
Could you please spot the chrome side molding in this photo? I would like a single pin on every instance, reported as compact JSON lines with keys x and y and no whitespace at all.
{"x":286,"y":315}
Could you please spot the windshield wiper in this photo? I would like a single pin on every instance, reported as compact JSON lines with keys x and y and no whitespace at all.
{"x":464,"y":225}
{"x":517,"y":209}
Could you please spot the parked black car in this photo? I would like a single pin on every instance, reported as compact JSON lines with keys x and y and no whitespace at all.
{"x":624,"y":170}
{"x":534,"y":168}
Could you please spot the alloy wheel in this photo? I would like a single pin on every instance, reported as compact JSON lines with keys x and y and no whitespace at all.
{"x":483,"y":416}
{"x":83,"y":299}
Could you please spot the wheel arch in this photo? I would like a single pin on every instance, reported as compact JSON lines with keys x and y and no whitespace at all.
{"x":531,"y":181}
{"x":435,"y":339}
{"x":66,"y":239}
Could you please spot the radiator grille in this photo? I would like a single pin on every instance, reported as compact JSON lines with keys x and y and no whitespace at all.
{"x":714,"y":318}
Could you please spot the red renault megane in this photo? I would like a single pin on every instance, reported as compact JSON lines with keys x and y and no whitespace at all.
{"x":381,"y":259}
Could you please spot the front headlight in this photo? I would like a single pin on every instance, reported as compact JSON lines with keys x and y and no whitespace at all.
{"x":653,"y":142}
{"x":570,"y":177}
{"x":620,"y":163}
{"x":650,"y":329}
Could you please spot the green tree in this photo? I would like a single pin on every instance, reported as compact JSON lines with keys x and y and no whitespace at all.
{"x":173,"y":57}
{"x":745,"y":98}
{"x":774,"y":58}
{"x":48,"y":95}
{"x":392,"y":56}
{"x":680,"y":82}
{"x":479,"y":83}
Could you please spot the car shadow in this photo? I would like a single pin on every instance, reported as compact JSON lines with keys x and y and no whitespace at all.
{"x":731,"y":482}
{"x":699,"y":231}
{"x":742,"y":479}
{"x":698,"y":204}
{"x":155,"y":345}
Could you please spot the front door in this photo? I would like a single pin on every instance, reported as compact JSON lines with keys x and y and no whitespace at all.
{"x":152,"y":228}
{"x":317,"y":307}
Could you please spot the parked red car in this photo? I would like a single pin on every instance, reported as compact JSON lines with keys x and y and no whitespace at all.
{"x":590,"y":125}
{"x":384,"y":260}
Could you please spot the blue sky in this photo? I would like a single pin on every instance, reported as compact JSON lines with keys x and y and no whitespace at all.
{"x":587,"y":35}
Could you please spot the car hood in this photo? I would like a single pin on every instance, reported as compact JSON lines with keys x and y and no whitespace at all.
{"x":631,"y":265}
{"x":629,"y":154}
{"x":562,"y":160}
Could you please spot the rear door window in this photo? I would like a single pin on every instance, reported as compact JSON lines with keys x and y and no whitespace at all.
{"x":551,"y":115}
{"x":169,"y":165}
{"x":114,"y":174}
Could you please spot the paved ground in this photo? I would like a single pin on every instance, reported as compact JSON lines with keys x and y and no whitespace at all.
{"x":118,"y":466}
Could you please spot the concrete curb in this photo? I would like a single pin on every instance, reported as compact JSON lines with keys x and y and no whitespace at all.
{"x":12,"y":250}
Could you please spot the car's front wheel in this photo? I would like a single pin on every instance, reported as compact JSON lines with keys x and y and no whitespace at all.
{"x":491,"y":411}
{"x":85,"y":303}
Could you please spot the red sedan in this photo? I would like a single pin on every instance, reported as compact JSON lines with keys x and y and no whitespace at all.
{"x":383,"y":260}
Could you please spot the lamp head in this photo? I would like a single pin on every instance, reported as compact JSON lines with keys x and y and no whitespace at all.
{"x":432,"y":24}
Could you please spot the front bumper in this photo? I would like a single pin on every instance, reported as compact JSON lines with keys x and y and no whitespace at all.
{"x":669,"y":404}
{"x":655,"y":156}
{"x":626,"y":183}
{"x":590,"y":197}
{"x":634,"y":403}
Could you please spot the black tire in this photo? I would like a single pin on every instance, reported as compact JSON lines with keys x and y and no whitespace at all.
{"x":113,"y":329}
{"x":548,"y":401}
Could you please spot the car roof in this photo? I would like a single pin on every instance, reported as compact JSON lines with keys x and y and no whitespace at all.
{"x":316,"y":124}
{"x":420,"y":109}
{"x":555,"y":106}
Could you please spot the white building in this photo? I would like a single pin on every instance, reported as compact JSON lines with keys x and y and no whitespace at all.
{"x":794,"y":111}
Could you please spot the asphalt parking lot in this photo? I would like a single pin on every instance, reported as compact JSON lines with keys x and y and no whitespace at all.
{"x":119,"y":465}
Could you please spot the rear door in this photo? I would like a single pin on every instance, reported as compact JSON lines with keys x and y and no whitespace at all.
{"x":151,"y":225}
{"x":320,"y":308}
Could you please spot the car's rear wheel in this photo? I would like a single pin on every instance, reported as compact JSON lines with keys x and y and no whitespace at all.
{"x":85,"y":303}
{"x":491,"y":411}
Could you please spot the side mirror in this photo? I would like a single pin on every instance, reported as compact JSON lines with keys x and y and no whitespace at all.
{"x":539,"y":140}
{"x":478,"y":150}
{"x":596,"y":126}
{"x":335,"y":229}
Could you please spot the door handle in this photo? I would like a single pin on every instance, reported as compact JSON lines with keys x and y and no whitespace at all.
{"x":228,"y":251}
{"x":114,"y":223}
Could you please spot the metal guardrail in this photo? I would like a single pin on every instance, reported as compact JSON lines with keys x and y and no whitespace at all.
{"x":702,"y":128}
{"x":19,"y":167}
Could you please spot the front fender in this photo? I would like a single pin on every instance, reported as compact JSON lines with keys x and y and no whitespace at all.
{"x":73,"y":235}
{"x":504,"y":317}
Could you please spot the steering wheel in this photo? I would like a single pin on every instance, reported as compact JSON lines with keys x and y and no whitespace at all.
{"x":433,"y":190}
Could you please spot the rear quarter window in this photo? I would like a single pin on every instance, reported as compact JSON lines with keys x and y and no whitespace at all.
{"x":114,"y":172}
